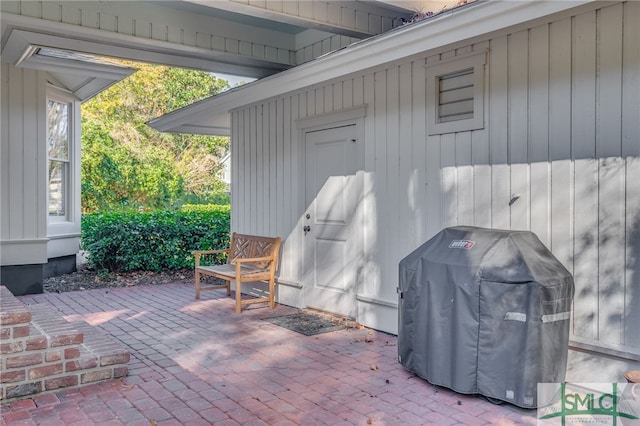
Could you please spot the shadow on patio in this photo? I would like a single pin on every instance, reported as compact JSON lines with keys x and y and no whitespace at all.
{"x":197,"y":362}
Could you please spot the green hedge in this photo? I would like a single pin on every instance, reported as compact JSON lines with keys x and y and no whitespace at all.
{"x":125,"y":241}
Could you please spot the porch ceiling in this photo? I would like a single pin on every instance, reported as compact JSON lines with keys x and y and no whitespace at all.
{"x":249,"y":39}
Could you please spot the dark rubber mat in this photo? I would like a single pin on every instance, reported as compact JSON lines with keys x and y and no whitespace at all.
{"x":306,"y":324}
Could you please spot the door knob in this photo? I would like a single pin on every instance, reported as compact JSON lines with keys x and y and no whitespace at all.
{"x":306,"y":229}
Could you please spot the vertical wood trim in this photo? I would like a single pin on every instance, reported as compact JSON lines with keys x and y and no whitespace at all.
{"x":560,"y":141}
{"x":235,"y":145}
{"x":288,"y":224}
{"x":560,"y":107}
{"x":499,"y":132}
{"x":518,"y":60}
{"x":397,"y":193}
{"x":585,"y":220}
{"x":481,"y":159}
{"x":631,"y":80}
{"x":434,"y":185}
{"x":5,"y":175}
{"x":16,"y":153}
{"x":418,"y":153}
{"x":297,"y":175}
{"x":258,"y":182}
{"x":611,"y":249}
{"x":632,"y":252}
{"x":380,"y":168}
{"x":337,"y":96}
{"x":347,"y":94}
{"x":609,"y":82}
{"x":562,"y":211}
{"x":366,"y":88}
{"x":465,"y":179}
{"x":406,"y":183}
{"x":585,"y":223}
{"x":282,"y":203}
{"x":250,"y":211}
{"x":275,"y":187}
{"x":448,"y":178}
{"x":538,"y":131}
{"x":583,"y":89}
{"x":540,"y":207}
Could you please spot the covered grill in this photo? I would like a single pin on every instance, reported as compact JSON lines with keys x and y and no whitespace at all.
{"x":485,"y":311}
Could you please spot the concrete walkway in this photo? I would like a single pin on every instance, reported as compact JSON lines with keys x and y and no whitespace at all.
{"x":196,"y":362}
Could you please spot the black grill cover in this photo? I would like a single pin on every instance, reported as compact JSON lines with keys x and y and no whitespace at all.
{"x":485,"y":311}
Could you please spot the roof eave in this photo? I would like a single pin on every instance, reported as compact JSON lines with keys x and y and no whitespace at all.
{"x":466,"y":22}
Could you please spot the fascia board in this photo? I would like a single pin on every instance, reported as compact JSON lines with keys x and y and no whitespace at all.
{"x":247,"y":9}
{"x":202,"y":130}
{"x":466,"y":22}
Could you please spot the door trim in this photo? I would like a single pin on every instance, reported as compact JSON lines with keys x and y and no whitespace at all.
{"x":347,"y":115}
{"x":319,"y":123}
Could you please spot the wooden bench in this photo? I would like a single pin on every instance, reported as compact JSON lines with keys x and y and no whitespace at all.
{"x":250,"y":258}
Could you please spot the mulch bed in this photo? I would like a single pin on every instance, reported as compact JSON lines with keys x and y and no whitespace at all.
{"x":86,"y":279}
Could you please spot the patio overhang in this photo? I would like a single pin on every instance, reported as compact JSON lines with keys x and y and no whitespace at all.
{"x":83,"y":75}
{"x":211,"y":115}
{"x":22,"y":35}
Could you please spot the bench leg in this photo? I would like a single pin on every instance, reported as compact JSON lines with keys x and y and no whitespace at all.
{"x":272,"y":296}
{"x":197,"y":284}
{"x":238,"y":297}
{"x":228,"y":287}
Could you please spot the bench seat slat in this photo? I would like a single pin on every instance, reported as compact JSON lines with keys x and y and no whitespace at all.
{"x":229,"y":270}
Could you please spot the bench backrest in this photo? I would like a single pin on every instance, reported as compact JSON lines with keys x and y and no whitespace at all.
{"x":251,"y":246}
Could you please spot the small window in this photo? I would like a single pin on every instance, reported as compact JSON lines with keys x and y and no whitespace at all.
{"x":455,"y":95}
{"x":59,"y":144}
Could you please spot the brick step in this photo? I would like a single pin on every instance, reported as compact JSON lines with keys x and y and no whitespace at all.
{"x":42,"y":352}
{"x":51,"y":324}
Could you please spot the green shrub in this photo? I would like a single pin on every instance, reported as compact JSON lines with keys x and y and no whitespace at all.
{"x":206,"y":208}
{"x":128,"y":241}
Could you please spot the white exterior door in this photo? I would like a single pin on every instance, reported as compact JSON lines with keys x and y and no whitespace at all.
{"x":333,"y":190}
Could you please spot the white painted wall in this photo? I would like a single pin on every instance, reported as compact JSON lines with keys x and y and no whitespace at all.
{"x":562,"y":132}
{"x":26,"y":237}
{"x":23,"y":165}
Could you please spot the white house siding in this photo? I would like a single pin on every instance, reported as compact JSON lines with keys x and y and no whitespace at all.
{"x":27,"y":240}
{"x":562,"y":129}
{"x":23,"y":162}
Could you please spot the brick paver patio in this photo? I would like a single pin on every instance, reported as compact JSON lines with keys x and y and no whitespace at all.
{"x":196,"y":362}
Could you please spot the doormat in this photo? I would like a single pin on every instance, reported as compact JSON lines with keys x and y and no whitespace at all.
{"x":305,"y":323}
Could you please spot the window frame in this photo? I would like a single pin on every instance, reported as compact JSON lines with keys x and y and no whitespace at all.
{"x":71,"y":165}
{"x":435,"y":71}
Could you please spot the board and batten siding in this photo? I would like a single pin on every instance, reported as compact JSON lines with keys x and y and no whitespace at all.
{"x":23,"y":161}
{"x":559,"y":155}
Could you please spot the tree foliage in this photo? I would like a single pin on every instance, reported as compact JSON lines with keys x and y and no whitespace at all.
{"x":128,"y":165}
